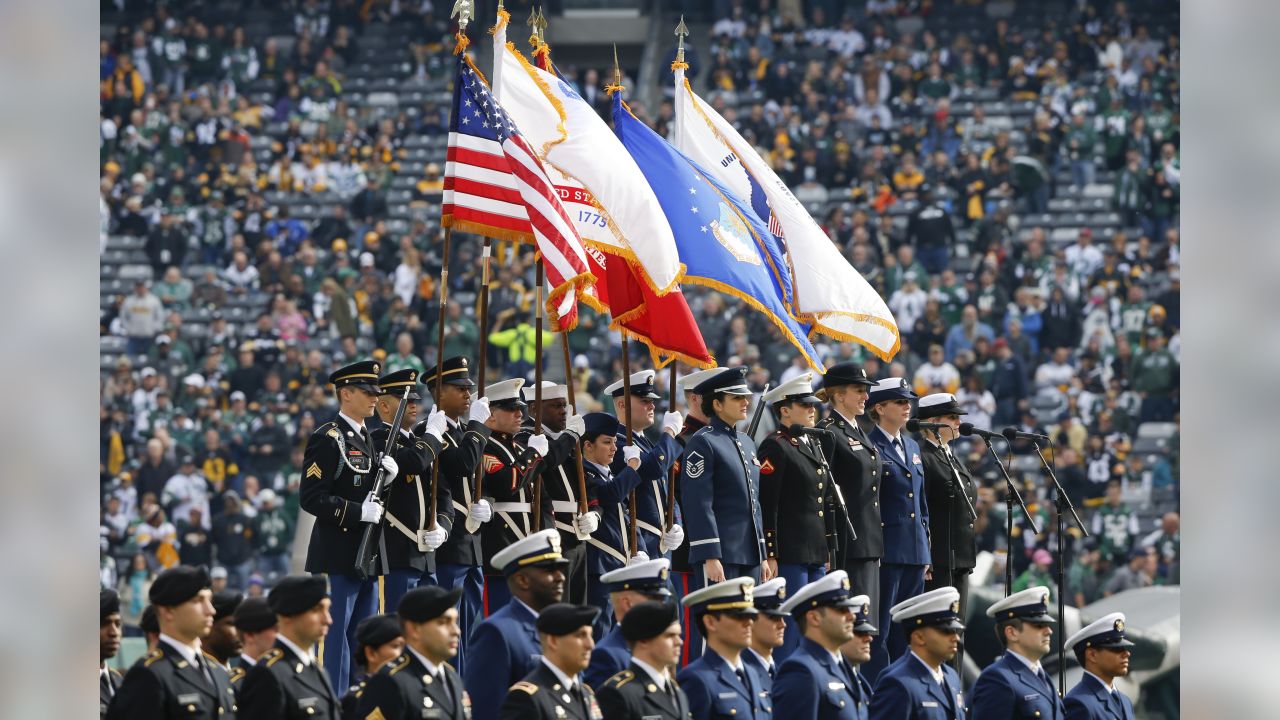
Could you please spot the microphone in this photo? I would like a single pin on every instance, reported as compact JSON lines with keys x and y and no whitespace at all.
{"x":914,"y":425}
{"x":797,"y":429}
{"x":968,"y":429}
{"x":1012,"y":434}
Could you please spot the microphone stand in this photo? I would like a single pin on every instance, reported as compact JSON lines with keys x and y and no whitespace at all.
{"x":953,"y":484}
{"x":1060,"y":503}
{"x":1011,"y":494}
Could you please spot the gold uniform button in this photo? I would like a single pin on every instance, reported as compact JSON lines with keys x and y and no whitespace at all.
{"x":819,"y":472}
{"x":881,"y":524}
{"x":733,"y":711}
{"x":819,"y":486}
{"x":873,"y":488}
{"x":911,"y":494}
{"x":819,"y":513}
{"x":191,"y":708}
{"x":913,"y":514}
{"x":311,"y":711}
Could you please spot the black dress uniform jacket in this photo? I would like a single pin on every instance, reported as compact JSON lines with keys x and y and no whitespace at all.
{"x":947,"y":510}
{"x":509,"y":469}
{"x":338,"y":472}
{"x":107,"y":686}
{"x":632,"y":695}
{"x":541,"y":696}
{"x":403,"y":689}
{"x":559,"y":474}
{"x":350,"y":703}
{"x":408,"y":500}
{"x":796,"y":499}
{"x":856,"y":465}
{"x":458,"y":462}
{"x":282,"y":686}
{"x":162,"y":684}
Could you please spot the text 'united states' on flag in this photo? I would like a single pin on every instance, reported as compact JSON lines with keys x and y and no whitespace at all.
{"x":495,"y":186}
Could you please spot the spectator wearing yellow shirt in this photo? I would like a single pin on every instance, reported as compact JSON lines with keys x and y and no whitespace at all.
{"x":937,"y":375}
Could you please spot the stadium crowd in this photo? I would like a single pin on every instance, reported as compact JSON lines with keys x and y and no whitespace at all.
{"x":270,"y":182}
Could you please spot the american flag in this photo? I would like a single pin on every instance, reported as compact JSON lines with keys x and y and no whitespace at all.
{"x":495,"y":186}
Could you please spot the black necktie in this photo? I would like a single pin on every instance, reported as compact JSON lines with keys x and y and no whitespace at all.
{"x":1045,"y":679}
{"x":204,"y":670}
{"x":773,"y":671}
{"x":850,"y":680}
{"x":742,"y":675}
{"x":105,"y":680}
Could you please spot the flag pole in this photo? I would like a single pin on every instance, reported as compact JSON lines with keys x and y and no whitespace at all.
{"x":671,"y":483}
{"x":573,"y":403}
{"x":485,"y":252}
{"x":537,"y":392}
{"x":626,"y":414}
{"x":444,"y":300}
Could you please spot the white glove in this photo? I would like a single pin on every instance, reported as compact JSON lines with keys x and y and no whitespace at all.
{"x":639,"y":557}
{"x":480,"y":410}
{"x":481,"y":511}
{"x":673,"y":538}
{"x":432,"y":539}
{"x":371,"y":510}
{"x":585,"y":524}
{"x":672,"y":422}
{"x":390,"y":467}
{"x":576,"y":425}
{"x":437,"y":424}
{"x":539,"y":444}
{"x":630,"y":452}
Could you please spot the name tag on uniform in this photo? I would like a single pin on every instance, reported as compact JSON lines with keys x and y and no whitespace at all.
{"x":188,"y":698}
{"x":929,"y":703}
{"x":1032,"y":696}
{"x":835,"y":686}
{"x":728,"y":696}
{"x":855,"y":445}
{"x":305,"y":703}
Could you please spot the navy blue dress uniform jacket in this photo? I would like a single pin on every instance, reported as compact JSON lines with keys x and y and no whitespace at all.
{"x":403,"y":689}
{"x":797,"y":502}
{"x":720,"y":495}
{"x":503,"y":649}
{"x":337,"y":474}
{"x":812,"y":686}
{"x":162,"y":684}
{"x":411,"y":490}
{"x":1008,"y":689}
{"x":907,"y":691}
{"x":607,"y":548}
{"x":947,"y":511}
{"x":904,"y":513}
{"x":680,"y":556}
{"x":508,"y":478}
{"x":1091,"y":700}
{"x":855,"y":462}
{"x":632,"y":695}
{"x":609,"y":657}
{"x":716,"y":693}
{"x":750,"y":658}
{"x":282,"y":686}
{"x":458,"y":462}
{"x":656,"y":460}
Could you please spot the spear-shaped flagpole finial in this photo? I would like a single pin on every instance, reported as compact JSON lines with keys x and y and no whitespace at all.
{"x":464,"y":11}
{"x":617,"y":69}
{"x":682,"y":31}
{"x":542,"y":25}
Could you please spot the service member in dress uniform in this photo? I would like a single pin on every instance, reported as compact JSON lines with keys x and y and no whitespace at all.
{"x":337,"y":488}
{"x":509,"y":470}
{"x":1016,"y":685}
{"x":224,"y":643}
{"x":857,"y":651}
{"x":656,"y":460}
{"x":558,"y":472}
{"x":407,"y":548}
{"x":421,"y":683}
{"x":608,"y":519}
{"x":256,"y":624}
{"x":459,"y":562}
{"x":1103,"y":651}
{"x":921,"y":685}
{"x":719,"y":684}
{"x":176,"y":680}
{"x":554,"y":687}
{"x":378,"y":642}
{"x":504,"y":647}
{"x":647,"y":689}
{"x":109,"y":634}
{"x":682,"y":571}
{"x":797,"y":498}
{"x":954,"y":546}
{"x":627,"y":587}
{"x":904,"y":514}
{"x":815,"y":681}
{"x":150,"y":626}
{"x":856,"y":466}
{"x":768,"y":630}
{"x":288,"y":682}
{"x":720,"y":486}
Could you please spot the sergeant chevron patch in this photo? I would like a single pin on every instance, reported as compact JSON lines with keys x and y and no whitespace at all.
{"x":766,"y":468}
{"x":695,"y":464}
{"x":492,"y":464}
{"x":314,"y":470}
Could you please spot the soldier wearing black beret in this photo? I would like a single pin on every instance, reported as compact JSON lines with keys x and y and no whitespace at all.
{"x":378,"y":642}
{"x":149,"y":626}
{"x":647,"y":689}
{"x":256,"y":625}
{"x":554,"y":689}
{"x":421,"y":683}
{"x":223,"y":642}
{"x":287,"y":682}
{"x":109,"y":634}
{"x":176,"y":679}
